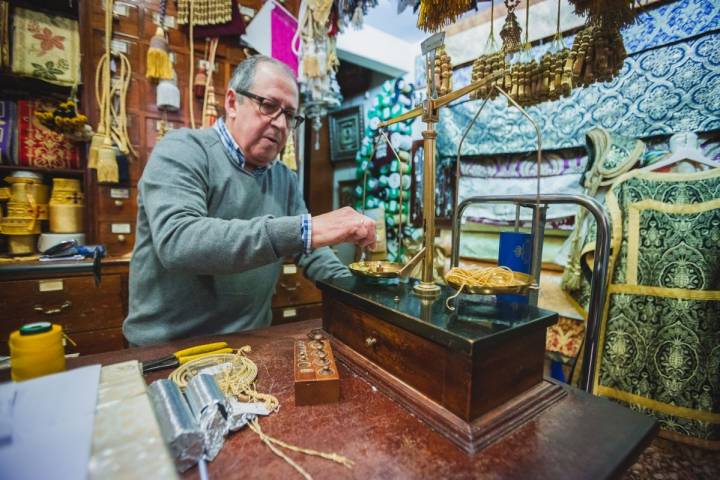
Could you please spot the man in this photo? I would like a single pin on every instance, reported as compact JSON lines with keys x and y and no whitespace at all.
{"x":217,"y":214}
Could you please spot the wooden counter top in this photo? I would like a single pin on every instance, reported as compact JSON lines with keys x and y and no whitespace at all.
{"x":580,"y":437}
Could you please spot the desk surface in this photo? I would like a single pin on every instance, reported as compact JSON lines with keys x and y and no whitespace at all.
{"x":579,"y":437}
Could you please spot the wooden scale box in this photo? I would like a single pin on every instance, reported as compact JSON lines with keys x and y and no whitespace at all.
{"x":473,"y":375}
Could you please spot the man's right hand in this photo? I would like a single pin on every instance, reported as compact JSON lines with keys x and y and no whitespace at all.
{"x":343,"y":225}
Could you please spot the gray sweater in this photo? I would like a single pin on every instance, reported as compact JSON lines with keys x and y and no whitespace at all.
{"x":210,"y":241}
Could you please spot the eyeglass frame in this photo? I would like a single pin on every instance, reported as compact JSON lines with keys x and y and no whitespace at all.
{"x":298,"y":119}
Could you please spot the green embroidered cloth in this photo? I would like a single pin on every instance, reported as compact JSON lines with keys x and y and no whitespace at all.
{"x":659,"y":349}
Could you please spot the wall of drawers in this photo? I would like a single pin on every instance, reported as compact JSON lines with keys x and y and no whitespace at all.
{"x":90,"y":315}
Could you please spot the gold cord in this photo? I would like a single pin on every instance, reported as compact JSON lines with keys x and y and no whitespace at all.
{"x":191,"y":100}
{"x":479,"y":277}
{"x":238,"y":379}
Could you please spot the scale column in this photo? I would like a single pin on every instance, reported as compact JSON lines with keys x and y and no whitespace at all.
{"x":427,"y":287}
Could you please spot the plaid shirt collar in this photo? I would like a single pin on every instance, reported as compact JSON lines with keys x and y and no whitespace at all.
{"x":234,"y":150}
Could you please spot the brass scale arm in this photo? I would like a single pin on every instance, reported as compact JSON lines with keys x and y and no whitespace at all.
{"x":428,"y":111}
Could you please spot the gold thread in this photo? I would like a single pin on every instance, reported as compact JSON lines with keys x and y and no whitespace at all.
{"x":685,"y":412}
{"x":677,"y":293}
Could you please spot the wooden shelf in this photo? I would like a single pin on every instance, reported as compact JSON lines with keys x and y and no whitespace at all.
{"x":18,"y":87}
{"x":73,"y":172}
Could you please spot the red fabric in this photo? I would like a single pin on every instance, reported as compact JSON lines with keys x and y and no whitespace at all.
{"x":39,"y":146}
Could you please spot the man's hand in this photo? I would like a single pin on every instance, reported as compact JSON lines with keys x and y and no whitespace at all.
{"x":343,"y":225}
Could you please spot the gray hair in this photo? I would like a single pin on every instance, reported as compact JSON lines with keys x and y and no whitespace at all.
{"x":244,"y":74}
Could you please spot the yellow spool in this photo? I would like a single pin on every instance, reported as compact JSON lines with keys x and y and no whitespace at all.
{"x":36,"y":350}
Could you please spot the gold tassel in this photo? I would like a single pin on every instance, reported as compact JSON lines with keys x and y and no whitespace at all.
{"x":435,"y":14}
{"x":158,"y":60}
{"x":107,"y":168}
{"x":95,"y":145}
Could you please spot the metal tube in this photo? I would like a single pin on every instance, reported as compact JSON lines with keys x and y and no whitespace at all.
{"x":600,"y":266}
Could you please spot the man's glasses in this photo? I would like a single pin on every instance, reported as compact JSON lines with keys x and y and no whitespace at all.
{"x":273,"y":109}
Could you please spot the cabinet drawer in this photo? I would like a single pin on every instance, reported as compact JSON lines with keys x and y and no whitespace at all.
{"x":413,"y":359}
{"x":75,"y":303}
{"x":125,"y":18}
{"x":118,"y":237}
{"x":296,"y":313}
{"x":117,"y":204}
{"x":294,"y":289}
{"x":107,"y":340}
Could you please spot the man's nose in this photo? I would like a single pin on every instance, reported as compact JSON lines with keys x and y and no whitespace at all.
{"x":280,"y":121}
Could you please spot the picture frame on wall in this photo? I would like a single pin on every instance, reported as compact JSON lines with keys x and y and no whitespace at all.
{"x":346,"y":128}
{"x":346,"y":193}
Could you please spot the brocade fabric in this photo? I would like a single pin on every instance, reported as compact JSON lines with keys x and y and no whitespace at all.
{"x":659,"y":347}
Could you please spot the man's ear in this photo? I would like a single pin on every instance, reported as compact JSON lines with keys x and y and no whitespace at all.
{"x":231,"y":103}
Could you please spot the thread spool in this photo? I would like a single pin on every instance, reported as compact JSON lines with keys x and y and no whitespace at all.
{"x":36,"y":349}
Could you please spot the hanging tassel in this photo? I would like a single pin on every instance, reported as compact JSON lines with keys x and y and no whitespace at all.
{"x":200,"y":81}
{"x":168,"y":95}
{"x":288,"y":155}
{"x":357,"y":18}
{"x":210,"y":113}
{"x":158,"y":60}
{"x":95,"y":145}
{"x":107,"y":168}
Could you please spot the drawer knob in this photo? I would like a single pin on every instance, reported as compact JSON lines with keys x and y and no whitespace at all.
{"x":370,"y":341}
{"x":118,"y":203}
{"x":290,"y":288}
{"x":121,"y":238}
{"x":53,"y":310}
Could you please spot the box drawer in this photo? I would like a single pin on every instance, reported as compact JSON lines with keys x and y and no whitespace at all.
{"x":410,"y":358}
{"x":117,"y":204}
{"x":293,"y":288}
{"x":296,"y":313}
{"x":118,"y":237}
{"x":74,"y":303}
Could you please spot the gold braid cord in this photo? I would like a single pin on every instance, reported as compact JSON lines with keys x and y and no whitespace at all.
{"x":237,"y":378}
{"x":479,"y":277}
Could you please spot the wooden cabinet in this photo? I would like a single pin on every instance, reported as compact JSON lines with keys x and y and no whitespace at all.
{"x":90,"y":315}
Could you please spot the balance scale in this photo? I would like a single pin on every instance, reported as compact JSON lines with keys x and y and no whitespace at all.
{"x":473,"y":374}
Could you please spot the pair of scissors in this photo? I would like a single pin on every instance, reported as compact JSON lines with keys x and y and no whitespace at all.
{"x":183,"y":356}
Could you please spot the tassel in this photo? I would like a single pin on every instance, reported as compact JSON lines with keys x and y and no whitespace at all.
{"x":158,"y":60}
{"x":95,"y":145}
{"x":168,"y":95}
{"x":199,"y":83}
{"x":107,"y":168}
{"x":357,"y":18}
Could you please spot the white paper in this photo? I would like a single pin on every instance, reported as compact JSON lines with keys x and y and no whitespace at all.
{"x":52,"y":425}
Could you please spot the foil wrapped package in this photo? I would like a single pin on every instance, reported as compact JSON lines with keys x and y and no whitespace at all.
{"x":180,"y":430}
{"x":210,"y":408}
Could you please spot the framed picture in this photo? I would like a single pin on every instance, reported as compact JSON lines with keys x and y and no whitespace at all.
{"x":346,"y":193}
{"x":346,"y":127}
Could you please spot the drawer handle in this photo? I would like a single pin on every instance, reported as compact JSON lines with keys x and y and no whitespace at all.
{"x":53,"y":310}
{"x":290,"y":288}
{"x":118,"y":203}
{"x":370,"y":341}
{"x":121,"y":238}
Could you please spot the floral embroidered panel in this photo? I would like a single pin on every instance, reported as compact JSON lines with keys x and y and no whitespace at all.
{"x":46,"y":47}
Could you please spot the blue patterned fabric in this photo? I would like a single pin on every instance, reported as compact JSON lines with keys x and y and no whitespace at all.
{"x":669,"y":83}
